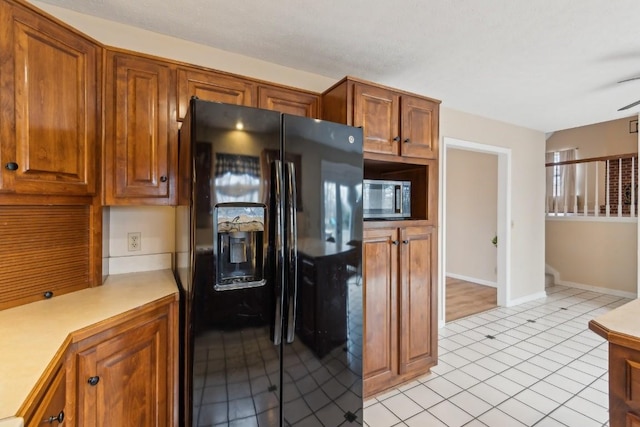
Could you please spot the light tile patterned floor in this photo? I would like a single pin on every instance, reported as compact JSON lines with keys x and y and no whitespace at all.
{"x":535,"y":364}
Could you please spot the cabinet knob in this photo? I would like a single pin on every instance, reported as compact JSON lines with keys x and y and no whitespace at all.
{"x":394,"y":242}
{"x":48,"y":294}
{"x":406,"y":242}
{"x":59,"y":418}
{"x":407,"y":140}
{"x":93,"y":380}
{"x":396,"y":139}
{"x":12,"y":166}
{"x":163,"y":178}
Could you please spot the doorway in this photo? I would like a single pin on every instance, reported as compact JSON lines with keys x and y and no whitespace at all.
{"x":502,"y":212}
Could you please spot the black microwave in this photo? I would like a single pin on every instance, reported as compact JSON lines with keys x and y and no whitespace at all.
{"x":384,"y":199}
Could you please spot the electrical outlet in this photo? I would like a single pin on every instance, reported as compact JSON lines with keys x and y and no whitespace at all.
{"x":134,"y":242}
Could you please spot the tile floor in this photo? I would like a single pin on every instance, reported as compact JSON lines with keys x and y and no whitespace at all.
{"x":535,"y":364}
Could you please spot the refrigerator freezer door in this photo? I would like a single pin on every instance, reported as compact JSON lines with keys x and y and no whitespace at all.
{"x":236,"y":366}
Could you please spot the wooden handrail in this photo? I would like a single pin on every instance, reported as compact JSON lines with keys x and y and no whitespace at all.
{"x":594,"y":159}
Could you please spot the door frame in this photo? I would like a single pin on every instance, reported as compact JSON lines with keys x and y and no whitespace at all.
{"x":504,"y":219}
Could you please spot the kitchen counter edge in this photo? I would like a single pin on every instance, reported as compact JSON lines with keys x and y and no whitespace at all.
{"x":36,"y":338}
{"x":620,"y":325}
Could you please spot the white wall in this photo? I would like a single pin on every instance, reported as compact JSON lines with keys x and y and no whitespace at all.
{"x":526,"y":274}
{"x":156,"y":225}
{"x":471,"y":217}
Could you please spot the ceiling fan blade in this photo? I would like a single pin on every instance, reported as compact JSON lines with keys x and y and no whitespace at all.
{"x":626,"y":107}
{"x":629,"y":79}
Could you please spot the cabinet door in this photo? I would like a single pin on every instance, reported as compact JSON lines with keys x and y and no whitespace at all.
{"x":50,"y":410}
{"x":288,"y":101}
{"x":141,"y":150}
{"x":419,"y":124}
{"x":377,"y":110}
{"x":418,"y":302}
{"x":211,"y":86}
{"x":624,"y":383}
{"x":380,"y":278}
{"x":123,"y":380}
{"x":48,"y":118}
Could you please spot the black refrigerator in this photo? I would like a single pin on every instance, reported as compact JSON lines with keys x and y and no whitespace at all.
{"x":268,"y":259}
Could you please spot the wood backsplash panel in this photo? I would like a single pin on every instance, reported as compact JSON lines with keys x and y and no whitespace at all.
{"x":42,"y":248}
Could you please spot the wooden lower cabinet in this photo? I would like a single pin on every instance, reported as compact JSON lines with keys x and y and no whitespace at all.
{"x":400,"y":323}
{"x":50,"y":408}
{"x":126,"y":375}
{"x":624,"y":384}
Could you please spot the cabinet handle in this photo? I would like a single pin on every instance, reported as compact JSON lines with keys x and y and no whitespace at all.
{"x":407,"y":140}
{"x":48,"y":294}
{"x":394,"y":242}
{"x":59,"y":418}
{"x":12,"y":166}
{"x":396,"y":139}
{"x":93,"y":380}
{"x":163,"y":178}
{"x":406,"y":242}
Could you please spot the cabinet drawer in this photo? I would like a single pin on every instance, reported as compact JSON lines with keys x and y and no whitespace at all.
{"x":50,"y":409}
{"x":633,"y":382}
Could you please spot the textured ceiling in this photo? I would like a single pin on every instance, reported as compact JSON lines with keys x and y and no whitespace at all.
{"x":543,"y":64}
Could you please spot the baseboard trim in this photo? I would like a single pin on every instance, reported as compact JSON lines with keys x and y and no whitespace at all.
{"x":526,"y":298}
{"x":472,"y":279}
{"x":555,"y":273}
{"x":606,"y":291}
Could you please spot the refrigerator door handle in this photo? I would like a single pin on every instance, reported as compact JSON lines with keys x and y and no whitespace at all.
{"x":292,"y":249}
{"x":276,"y":175}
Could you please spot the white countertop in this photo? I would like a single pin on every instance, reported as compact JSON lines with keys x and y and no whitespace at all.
{"x":622,"y":320}
{"x":31,"y":334}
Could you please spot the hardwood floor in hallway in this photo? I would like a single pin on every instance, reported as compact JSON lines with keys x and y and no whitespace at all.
{"x":466,"y":298}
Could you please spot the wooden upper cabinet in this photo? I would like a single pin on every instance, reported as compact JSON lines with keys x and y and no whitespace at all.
{"x":289,"y":101}
{"x":420,"y":120}
{"x":376,"y":110}
{"x":140,"y":135}
{"x":212,"y":86}
{"x":395,"y":123}
{"x":49,"y":112}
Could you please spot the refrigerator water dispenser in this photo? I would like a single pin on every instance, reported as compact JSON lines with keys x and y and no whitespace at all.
{"x":239,"y":233}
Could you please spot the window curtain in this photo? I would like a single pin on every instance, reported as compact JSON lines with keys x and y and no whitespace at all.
{"x":561,"y":182}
